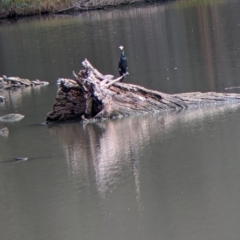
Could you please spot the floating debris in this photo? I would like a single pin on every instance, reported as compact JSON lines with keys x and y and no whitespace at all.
{"x":4,"y":132}
{"x":20,"y":159}
{"x":228,"y":88}
{"x":16,"y":82}
{"x":12,"y":117}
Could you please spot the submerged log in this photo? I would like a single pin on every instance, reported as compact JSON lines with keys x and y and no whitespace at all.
{"x":92,"y":95}
{"x":12,"y":117}
{"x":4,"y":132}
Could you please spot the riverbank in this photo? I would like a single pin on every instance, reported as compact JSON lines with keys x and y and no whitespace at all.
{"x":22,"y":8}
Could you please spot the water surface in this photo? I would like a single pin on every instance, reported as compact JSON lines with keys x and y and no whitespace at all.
{"x":173,"y":176}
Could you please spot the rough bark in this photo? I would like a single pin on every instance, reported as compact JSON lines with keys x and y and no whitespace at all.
{"x":92,"y":95}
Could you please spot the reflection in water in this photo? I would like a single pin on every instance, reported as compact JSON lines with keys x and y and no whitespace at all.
{"x":28,"y":101}
{"x":107,"y":148}
{"x":14,"y":96}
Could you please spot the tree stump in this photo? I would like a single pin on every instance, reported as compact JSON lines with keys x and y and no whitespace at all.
{"x":92,"y":95}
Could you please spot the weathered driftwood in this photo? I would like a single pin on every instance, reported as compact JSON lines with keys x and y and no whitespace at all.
{"x":92,"y":95}
{"x":16,"y":82}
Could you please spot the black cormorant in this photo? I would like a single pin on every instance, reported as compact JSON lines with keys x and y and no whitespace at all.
{"x":123,"y":65}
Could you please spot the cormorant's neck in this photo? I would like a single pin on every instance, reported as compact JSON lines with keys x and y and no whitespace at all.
{"x":122,"y":53}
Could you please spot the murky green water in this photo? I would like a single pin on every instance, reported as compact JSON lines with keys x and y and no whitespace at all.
{"x":167,"y":177}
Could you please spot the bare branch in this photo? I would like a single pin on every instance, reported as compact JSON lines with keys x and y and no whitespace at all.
{"x":114,"y":81}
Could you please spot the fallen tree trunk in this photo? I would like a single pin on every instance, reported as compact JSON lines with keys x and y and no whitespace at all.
{"x":16,"y":82}
{"x":92,"y":95}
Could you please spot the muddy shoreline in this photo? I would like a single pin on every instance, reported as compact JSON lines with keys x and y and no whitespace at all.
{"x":72,"y":8}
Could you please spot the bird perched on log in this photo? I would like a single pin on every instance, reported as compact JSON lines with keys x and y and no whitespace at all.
{"x":122,"y":64}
